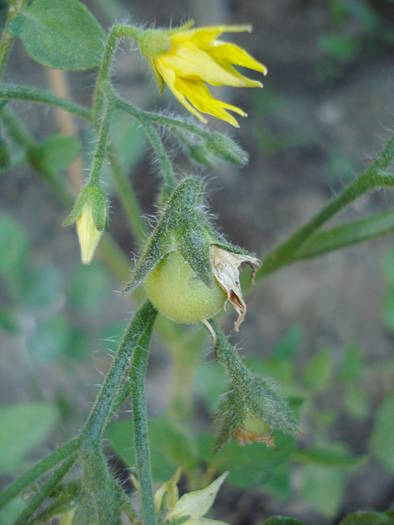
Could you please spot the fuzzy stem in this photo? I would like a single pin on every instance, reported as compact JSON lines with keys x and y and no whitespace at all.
{"x":45,"y":490}
{"x":372,"y":178}
{"x":102,"y":139}
{"x":144,"y":119}
{"x":116,"y":32}
{"x":131,"y":207}
{"x":42,"y":96}
{"x":137,"y":329}
{"x":141,"y":440}
{"x":40,"y":468}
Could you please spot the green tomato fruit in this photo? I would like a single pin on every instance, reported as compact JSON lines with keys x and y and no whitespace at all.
{"x":176,"y":291}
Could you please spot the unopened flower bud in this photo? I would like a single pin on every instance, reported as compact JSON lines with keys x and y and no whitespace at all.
{"x":90,"y":213}
{"x":88,"y":235}
{"x":224,"y":147}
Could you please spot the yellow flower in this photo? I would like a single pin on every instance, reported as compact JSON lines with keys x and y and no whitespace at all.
{"x":88,"y":235}
{"x":194,"y":58}
{"x":191,"y":506}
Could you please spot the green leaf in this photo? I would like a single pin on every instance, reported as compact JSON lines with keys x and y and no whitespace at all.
{"x":282,"y":520}
{"x":42,"y":288}
{"x":49,"y":340}
{"x":355,"y":401}
{"x":211,"y":382}
{"x":330,"y":457}
{"x":22,"y":428}
{"x":317,"y":373}
{"x":62,"y":34}
{"x":322,"y":488}
{"x":347,"y":234}
{"x":58,"y":152}
{"x":8,"y":320}
{"x":89,"y":287}
{"x":388,"y":313}
{"x":170,"y":446}
{"x":382,"y":442}
{"x":388,"y":267}
{"x":10,"y":512}
{"x":249,"y":466}
{"x":367,"y":518}
{"x":351,"y":366}
{"x":13,"y":247}
{"x":290,"y":343}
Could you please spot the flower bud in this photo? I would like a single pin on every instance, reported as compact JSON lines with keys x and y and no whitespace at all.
{"x":224,"y":147}
{"x":90,"y":213}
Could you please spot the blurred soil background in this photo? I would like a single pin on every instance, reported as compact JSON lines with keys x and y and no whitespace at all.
{"x":325,"y":111}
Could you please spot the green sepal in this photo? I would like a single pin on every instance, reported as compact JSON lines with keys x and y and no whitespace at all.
{"x":183,"y":226}
{"x":249,"y":394}
{"x":152,"y":43}
{"x":93,"y":196}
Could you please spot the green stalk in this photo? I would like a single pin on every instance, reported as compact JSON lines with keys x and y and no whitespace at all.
{"x":131,"y":207}
{"x":102,"y":139}
{"x":141,"y":440}
{"x":136,"y":331}
{"x":45,"y":490}
{"x":42,"y":96}
{"x":372,"y":178}
{"x":35,"y":472}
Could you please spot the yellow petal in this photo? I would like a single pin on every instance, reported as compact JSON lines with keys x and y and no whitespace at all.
{"x":88,"y":235}
{"x":247,"y":82}
{"x":168,"y":489}
{"x":203,"y":36}
{"x":198,"y":94}
{"x":235,"y":55}
{"x":188,"y":61}
{"x":170,"y":78}
{"x":197,"y":503}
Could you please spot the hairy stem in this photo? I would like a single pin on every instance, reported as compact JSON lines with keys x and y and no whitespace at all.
{"x":141,"y":441}
{"x":372,"y":178}
{"x":45,"y":490}
{"x":34,"y":473}
{"x":131,"y":207}
{"x":102,"y":139}
{"x":42,"y":96}
{"x":137,"y":329}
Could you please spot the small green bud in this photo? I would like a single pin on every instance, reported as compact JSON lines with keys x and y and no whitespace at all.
{"x":90,"y":213}
{"x":226,"y":148}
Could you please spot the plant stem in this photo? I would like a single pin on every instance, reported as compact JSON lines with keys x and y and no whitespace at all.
{"x":131,"y":207}
{"x":102,"y":139}
{"x":370,"y":179}
{"x":42,"y":96}
{"x":141,"y":440}
{"x":45,"y":490}
{"x":144,"y":119}
{"x":116,"y":32}
{"x":40,"y":468}
{"x":136,"y":331}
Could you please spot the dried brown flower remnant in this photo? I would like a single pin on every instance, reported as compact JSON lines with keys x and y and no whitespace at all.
{"x":225,"y":267}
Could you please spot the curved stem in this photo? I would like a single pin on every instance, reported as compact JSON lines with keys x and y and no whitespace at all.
{"x":137,"y":329}
{"x":131,"y":207}
{"x":102,"y":139}
{"x":42,"y":96}
{"x":40,"y":468}
{"x":372,"y":178}
{"x":141,"y":440}
{"x":45,"y":490}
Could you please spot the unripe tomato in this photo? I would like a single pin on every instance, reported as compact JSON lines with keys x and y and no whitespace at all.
{"x":176,"y":291}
